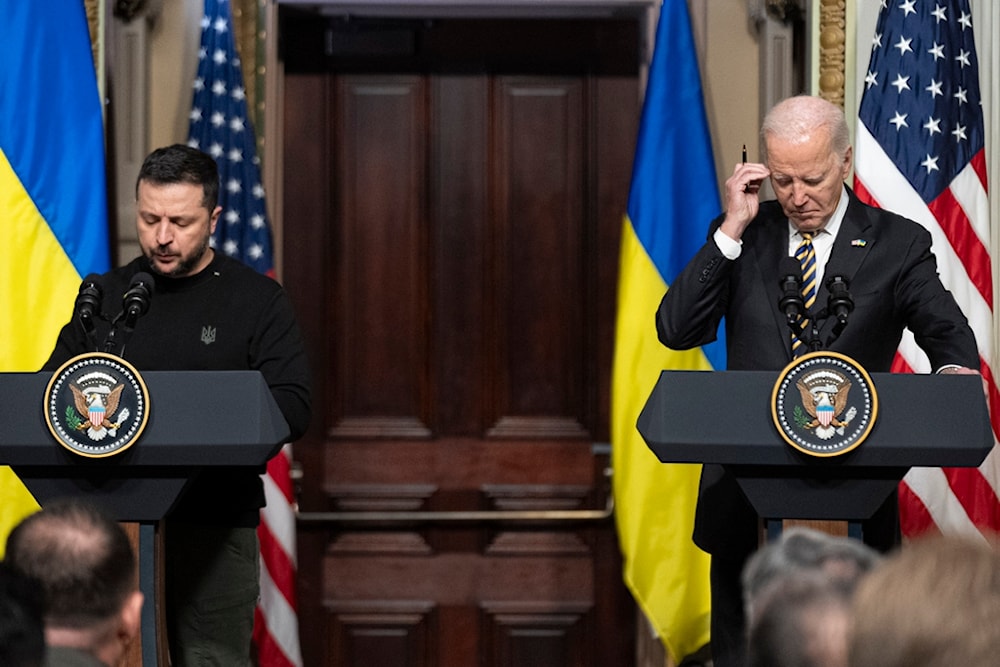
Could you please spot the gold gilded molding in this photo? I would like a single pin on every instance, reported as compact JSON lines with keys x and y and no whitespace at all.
{"x":249,"y":32}
{"x":832,"y":50}
{"x":93,"y":11}
{"x":245,"y":33}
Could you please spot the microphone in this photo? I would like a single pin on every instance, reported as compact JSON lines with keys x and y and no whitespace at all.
{"x":840,"y":303}
{"x":135,"y":302}
{"x":791,"y":302}
{"x":88,"y":301}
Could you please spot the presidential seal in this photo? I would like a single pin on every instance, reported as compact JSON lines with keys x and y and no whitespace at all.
{"x":824,"y":404}
{"x":96,"y":405}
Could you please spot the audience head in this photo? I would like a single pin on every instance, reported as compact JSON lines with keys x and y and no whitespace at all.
{"x":934,"y":602}
{"x":797,"y":593}
{"x":803,"y":622}
{"x":87,"y":571}
{"x":799,"y":549}
{"x":22,"y":639}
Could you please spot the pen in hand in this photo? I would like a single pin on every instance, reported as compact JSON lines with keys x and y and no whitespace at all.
{"x":746,"y":188}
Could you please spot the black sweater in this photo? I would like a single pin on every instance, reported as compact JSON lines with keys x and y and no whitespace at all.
{"x":249,"y":324}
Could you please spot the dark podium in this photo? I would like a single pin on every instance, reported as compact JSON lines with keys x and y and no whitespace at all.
{"x":197,"y":419}
{"x":724,"y":417}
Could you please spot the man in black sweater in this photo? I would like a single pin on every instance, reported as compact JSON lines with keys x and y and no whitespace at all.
{"x":209,"y":312}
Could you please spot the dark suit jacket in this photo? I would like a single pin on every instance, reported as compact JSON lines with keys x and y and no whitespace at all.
{"x":887,"y":262}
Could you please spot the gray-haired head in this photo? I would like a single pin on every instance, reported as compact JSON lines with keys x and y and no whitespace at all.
{"x":842,"y":560}
{"x":798,"y":118}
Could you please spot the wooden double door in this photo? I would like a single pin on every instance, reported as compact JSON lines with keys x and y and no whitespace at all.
{"x":453,"y":199}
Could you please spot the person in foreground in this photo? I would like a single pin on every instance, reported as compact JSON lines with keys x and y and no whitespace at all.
{"x":797,"y":593}
{"x":934,"y":602}
{"x":207,"y":312}
{"x":885,"y":259}
{"x":841,"y":560}
{"x":22,"y":633}
{"x":87,"y":570}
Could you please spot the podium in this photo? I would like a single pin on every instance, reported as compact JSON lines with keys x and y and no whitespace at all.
{"x":724,"y":417}
{"x":197,"y":420}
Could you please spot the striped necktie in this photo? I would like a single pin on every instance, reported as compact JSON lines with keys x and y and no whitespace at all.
{"x":806,"y":254}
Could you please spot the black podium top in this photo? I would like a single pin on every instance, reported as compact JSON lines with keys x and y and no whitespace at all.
{"x":724,"y":417}
{"x":196,"y":419}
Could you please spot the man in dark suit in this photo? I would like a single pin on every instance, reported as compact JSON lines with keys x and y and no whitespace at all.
{"x":884,"y":258}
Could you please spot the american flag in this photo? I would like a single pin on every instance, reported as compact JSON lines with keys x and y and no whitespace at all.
{"x":920,"y":152}
{"x":220,"y":126}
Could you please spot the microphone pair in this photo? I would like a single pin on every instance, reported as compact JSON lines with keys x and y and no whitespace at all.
{"x":840,"y":302}
{"x":135,"y":303}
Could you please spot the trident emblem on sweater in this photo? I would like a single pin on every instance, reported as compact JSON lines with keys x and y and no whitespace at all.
{"x":207,"y":335}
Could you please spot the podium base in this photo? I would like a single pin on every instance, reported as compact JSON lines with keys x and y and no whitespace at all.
{"x":771,"y":529}
{"x":150,"y":648}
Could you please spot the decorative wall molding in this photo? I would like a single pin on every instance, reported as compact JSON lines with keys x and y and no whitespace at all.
{"x":832,"y":50}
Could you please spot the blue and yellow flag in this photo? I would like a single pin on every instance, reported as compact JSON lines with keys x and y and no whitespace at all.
{"x":673,"y":197}
{"x":53,"y":202}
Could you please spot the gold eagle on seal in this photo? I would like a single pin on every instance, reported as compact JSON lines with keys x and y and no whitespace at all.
{"x":98,"y":406}
{"x":824,"y":397}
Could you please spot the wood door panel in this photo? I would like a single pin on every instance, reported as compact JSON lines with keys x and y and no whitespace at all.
{"x":381,"y":272}
{"x":361,"y":633}
{"x":459,"y":205}
{"x":471,"y":578}
{"x":537,"y":270}
{"x":533,"y":636}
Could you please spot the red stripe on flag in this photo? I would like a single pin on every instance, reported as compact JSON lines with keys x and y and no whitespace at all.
{"x":278,"y":564}
{"x":863,"y":194}
{"x":978,"y":163}
{"x":900,"y":365}
{"x":914,"y":519}
{"x":279,"y":469}
{"x":970,"y":250}
{"x":269,"y":653}
{"x":975,"y":494}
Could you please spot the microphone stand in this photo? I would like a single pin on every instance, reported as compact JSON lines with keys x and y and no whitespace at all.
{"x":135,"y":303}
{"x":840,"y":304}
{"x":88,"y":308}
{"x":111,"y":341}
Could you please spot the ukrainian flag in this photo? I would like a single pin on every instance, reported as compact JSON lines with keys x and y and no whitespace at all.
{"x":53,"y":202}
{"x":674,"y":194}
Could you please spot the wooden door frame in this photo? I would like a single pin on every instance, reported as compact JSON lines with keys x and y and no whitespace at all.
{"x":645,"y":11}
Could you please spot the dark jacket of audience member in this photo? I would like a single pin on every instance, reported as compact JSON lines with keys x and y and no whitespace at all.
{"x":22,"y":637}
{"x":87,"y":570}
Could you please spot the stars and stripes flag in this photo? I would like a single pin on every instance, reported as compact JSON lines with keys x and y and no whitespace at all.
{"x":920,"y":152}
{"x":221,"y":127}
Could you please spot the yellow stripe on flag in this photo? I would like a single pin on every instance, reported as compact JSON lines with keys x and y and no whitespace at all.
{"x":654,"y":502}
{"x":15,"y":504}
{"x":37,"y":277}
{"x":29,"y":331}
